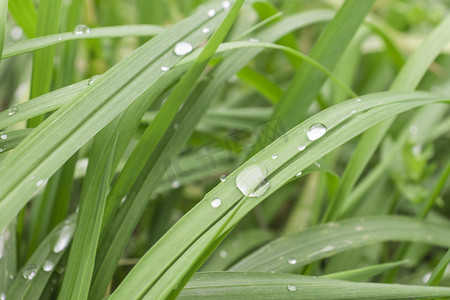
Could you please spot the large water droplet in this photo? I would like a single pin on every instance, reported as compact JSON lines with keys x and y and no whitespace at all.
{"x":12,"y":111}
{"x":316,"y":131}
{"x":211,"y":13}
{"x":206,"y":30}
{"x":4,"y":136}
{"x":62,"y":238}
{"x":48,"y":266}
{"x":292,"y":261}
{"x":292,"y":288}
{"x":93,"y":79}
{"x":29,"y":272}
{"x":252,"y":181}
{"x":183,"y":48}
{"x":216,"y":203}
{"x":226,"y":5}
{"x":81,"y":29}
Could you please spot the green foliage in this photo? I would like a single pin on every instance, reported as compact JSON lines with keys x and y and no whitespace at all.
{"x":109,"y":166}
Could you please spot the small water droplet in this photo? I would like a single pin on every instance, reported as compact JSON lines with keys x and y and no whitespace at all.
{"x":316,"y":131}
{"x":183,"y":48}
{"x":299,"y":173}
{"x":93,"y":79}
{"x":223,"y":253}
{"x":301,"y":147}
{"x":123,"y":200}
{"x":426,"y":277}
{"x":81,"y":29}
{"x":165,"y":69}
{"x":29,"y":272}
{"x":274,"y":156}
{"x":4,"y":136}
{"x":48,"y":266}
{"x":253,"y":40}
{"x":414,"y":130}
{"x":233,"y":79}
{"x":223,"y":178}
{"x":2,"y":149}
{"x":251,"y":181}
{"x":292,"y":261}
{"x":11,"y":276}
{"x":317,"y":164}
{"x":226,"y":5}
{"x":62,"y":238}
{"x":176,"y":184}
{"x":206,"y":30}
{"x":358,"y":99}
{"x":333,"y":225}
{"x":353,"y":112}
{"x":292,"y":288}
{"x":211,"y":13}
{"x":12,"y":111}
{"x":176,"y":126}
{"x":16,"y":33}
{"x":416,"y":150}
{"x":59,"y":38}
{"x":272,"y":271}
{"x":2,"y":296}
{"x":40,"y":182}
{"x":216,"y":203}
{"x":358,"y":228}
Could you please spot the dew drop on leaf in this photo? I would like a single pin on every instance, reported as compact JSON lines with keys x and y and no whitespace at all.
{"x":205,"y":30}
{"x":165,"y":69}
{"x":253,"y":40}
{"x":216,"y":203}
{"x":316,"y":131}
{"x":3,"y":136}
{"x":226,"y":5}
{"x":48,"y":266}
{"x":93,"y":79}
{"x":29,"y":272}
{"x":292,"y":288}
{"x":223,"y":253}
{"x":292,"y":261}
{"x":2,"y":296}
{"x":301,"y":147}
{"x":251,"y":181}
{"x":12,"y":111}
{"x":81,"y":29}
{"x":211,"y":13}
{"x":274,"y":156}
{"x":183,"y":48}
{"x":176,"y":184}
{"x":62,"y":238}
{"x":223,"y":178}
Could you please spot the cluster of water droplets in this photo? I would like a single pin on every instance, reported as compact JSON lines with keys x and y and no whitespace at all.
{"x":81,"y":29}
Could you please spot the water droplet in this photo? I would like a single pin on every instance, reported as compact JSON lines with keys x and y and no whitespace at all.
{"x":48,"y":266}
{"x":176,"y":184}
{"x":292,"y":288}
{"x":29,"y":272}
{"x":16,"y":33}
{"x":62,"y":238}
{"x":272,"y":271}
{"x":3,"y":136}
{"x":299,"y":173}
{"x":316,"y":131}
{"x":4,"y":237}
{"x":12,"y":111}
{"x":2,"y":296}
{"x":317,"y":164}
{"x":292,"y":261}
{"x":358,"y":100}
{"x":416,"y":150}
{"x":253,"y":40}
{"x":40,"y":182}
{"x":11,"y":276}
{"x":301,"y":147}
{"x":2,"y":149}
{"x":59,"y":38}
{"x":93,"y":79}
{"x":183,"y":48}
{"x":223,"y":253}
{"x":251,"y":181}
{"x":358,"y":228}
{"x":223,"y":178}
{"x":81,"y":29}
{"x":211,"y":13}
{"x":333,"y":225}
{"x":274,"y":156}
{"x":176,"y":126}
{"x":216,"y":203}
{"x":165,"y":69}
{"x":414,"y":130}
{"x":123,"y":200}
{"x":426,"y":277}
{"x":206,"y":30}
{"x":233,"y":79}
{"x":226,"y":5}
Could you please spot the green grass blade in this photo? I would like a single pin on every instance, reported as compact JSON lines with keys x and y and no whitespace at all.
{"x":94,"y":33}
{"x":308,"y":81}
{"x":3,"y":13}
{"x":365,"y":272}
{"x":80,"y":266}
{"x":234,"y":285}
{"x":24,"y":13}
{"x":438,"y":272}
{"x":264,"y":86}
{"x":8,"y":257}
{"x":342,"y":125}
{"x":42,"y":264}
{"x":63,"y":133}
{"x":42,"y":70}
{"x":339,"y":237}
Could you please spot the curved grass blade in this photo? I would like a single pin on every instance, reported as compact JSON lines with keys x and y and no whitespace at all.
{"x":3,"y":13}
{"x":94,"y":33}
{"x":166,"y":262}
{"x":24,"y":13}
{"x":63,"y":133}
{"x":10,"y":139}
{"x":8,"y":258}
{"x":34,"y":276}
{"x":365,"y":272}
{"x":329,"y":239}
{"x":234,"y":285}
